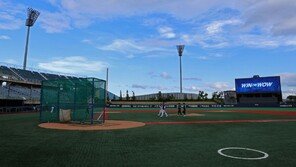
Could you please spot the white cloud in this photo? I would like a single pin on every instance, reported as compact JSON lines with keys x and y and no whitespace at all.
{"x":291,"y":43}
{"x":259,"y":41}
{"x":125,"y":46}
{"x":128,"y":47}
{"x":194,"y":89}
{"x":87,"y":41}
{"x":55,"y":22}
{"x":219,"y":86}
{"x":180,"y":9}
{"x":216,"y":26}
{"x":192,"y":79}
{"x":130,"y":56}
{"x":4,"y":37}
{"x":203,"y":57}
{"x":74,"y":65}
{"x":11,"y":61}
{"x":10,"y":16}
{"x":186,"y":38}
{"x":288,"y":92}
{"x":165,"y":75}
{"x":152,"y":87}
{"x":288,"y":79}
{"x":205,"y":40}
{"x":211,"y":56}
{"x":154,"y":21}
{"x":274,"y":16}
{"x":137,"y":86}
{"x":166,"y":32}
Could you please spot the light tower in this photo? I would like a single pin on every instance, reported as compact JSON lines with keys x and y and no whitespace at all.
{"x":180,"y":49}
{"x":32,"y":17}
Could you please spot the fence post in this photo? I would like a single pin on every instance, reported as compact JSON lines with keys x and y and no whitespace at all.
{"x":92,"y":101}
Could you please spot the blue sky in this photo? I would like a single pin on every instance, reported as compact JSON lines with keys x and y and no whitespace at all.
{"x":137,"y":41}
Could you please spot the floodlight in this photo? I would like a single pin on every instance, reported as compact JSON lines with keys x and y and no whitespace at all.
{"x":32,"y":17}
{"x":180,"y":49}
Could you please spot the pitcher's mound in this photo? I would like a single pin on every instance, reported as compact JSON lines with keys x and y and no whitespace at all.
{"x":191,"y":115}
{"x":108,"y":125}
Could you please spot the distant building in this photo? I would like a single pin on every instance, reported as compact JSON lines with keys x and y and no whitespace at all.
{"x":230,"y":97}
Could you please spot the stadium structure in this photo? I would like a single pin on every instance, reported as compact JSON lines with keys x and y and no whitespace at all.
{"x":20,"y":89}
{"x":173,"y":95}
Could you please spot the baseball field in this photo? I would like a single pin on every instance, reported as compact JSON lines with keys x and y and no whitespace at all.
{"x":204,"y":137}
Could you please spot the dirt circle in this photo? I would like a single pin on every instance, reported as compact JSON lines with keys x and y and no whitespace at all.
{"x":108,"y":125}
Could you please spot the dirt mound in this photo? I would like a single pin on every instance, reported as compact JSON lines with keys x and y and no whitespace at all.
{"x":108,"y":125}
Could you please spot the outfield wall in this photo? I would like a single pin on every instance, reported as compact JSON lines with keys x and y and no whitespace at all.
{"x":198,"y":106}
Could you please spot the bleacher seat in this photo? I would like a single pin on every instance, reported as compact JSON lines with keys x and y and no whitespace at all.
{"x":5,"y":71}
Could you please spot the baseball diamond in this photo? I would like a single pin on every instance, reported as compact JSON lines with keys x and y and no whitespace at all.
{"x":136,"y":83}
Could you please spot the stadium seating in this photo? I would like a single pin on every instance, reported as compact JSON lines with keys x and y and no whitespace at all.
{"x":19,"y":92}
{"x":24,"y":91}
{"x":29,"y":75}
{"x":7,"y":72}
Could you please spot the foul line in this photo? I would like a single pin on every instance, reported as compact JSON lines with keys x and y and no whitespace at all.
{"x":220,"y":122}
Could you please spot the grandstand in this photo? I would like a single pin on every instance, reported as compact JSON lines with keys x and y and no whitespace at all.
{"x":21,"y":88}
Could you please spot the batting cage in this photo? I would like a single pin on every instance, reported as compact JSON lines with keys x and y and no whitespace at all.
{"x":79,"y":100}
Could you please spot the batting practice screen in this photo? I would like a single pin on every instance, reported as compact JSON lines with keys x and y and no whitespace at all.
{"x":258,"y":85}
{"x":79,"y":99}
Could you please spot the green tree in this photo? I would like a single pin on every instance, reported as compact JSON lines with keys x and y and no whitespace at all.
{"x":200,"y":95}
{"x":205,"y":96}
{"x":220,"y":95}
{"x":133,"y":97}
{"x":127,"y":96}
{"x":214,"y":95}
{"x":120,"y":96}
{"x":159,"y":96}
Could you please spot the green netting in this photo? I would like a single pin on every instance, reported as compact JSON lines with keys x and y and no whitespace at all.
{"x":83,"y":98}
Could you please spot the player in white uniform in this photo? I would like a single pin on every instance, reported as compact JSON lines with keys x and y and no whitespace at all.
{"x":162,"y":111}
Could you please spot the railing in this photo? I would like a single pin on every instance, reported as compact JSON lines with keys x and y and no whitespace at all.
{"x":41,"y":71}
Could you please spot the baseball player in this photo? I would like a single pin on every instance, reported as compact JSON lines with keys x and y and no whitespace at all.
{"x":179,"y":109}
{"x":162,"y":111}
{"x":184,"y":109}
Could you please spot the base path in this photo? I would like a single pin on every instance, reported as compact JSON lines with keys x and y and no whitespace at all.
{"x":220,"y":122}
{"x":108,"y":125}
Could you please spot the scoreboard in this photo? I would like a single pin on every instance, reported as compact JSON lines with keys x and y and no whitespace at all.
{"x":258,"y":85}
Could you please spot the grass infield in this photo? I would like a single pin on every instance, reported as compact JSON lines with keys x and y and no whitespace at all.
{"x":23,"y":143}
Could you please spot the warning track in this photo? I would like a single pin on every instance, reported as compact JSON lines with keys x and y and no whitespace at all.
{"x":220,"y":122}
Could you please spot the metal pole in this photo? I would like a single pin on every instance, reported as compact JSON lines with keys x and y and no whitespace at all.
{"x":26,"y":48}
{"x":106,"y":94}
{"x":92,"y":101}
{"x":180,"y":75}
{"x":107,"y":82}
{"x":41,"y":101}
{"x":75,"y":95}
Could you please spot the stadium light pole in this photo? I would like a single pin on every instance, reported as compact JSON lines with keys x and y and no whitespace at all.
{"x":32,"y":17}
{"x":180,"y":49}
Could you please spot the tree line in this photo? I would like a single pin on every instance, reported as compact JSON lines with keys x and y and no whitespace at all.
{"x":201,"y":96}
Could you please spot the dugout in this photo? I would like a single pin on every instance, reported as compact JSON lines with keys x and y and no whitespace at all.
{"x":73,"y":100}
{"x":258,"y":91}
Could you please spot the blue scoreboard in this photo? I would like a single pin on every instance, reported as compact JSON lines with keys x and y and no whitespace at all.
{"x":258,"y":85}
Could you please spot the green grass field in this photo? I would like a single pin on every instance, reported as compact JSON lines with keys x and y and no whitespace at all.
{"x":23,"y":143}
